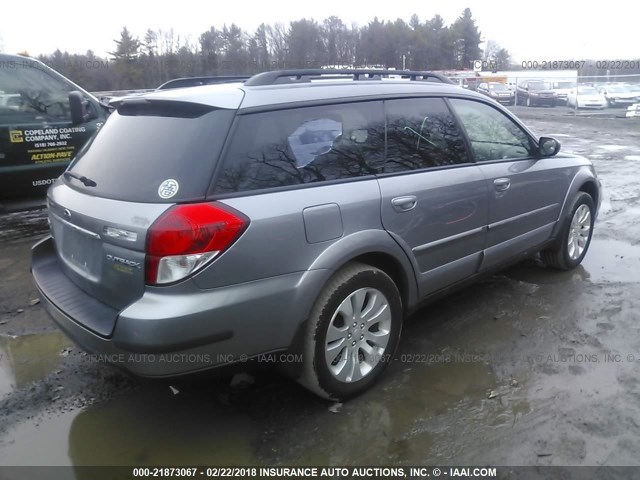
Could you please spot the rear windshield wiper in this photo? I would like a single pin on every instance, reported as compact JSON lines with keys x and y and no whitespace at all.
{"x":86,"y":181}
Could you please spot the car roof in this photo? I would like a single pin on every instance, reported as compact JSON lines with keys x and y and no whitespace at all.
{"x":240,"y":96}
{"x":5,"y":57}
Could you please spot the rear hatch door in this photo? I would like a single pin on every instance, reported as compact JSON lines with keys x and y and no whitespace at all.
{"x":148,"y":156}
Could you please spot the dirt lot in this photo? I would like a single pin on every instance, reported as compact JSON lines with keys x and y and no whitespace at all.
{"x":528,"y":367}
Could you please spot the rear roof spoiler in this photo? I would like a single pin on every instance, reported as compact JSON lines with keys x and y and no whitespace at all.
{"x":197,"y":81}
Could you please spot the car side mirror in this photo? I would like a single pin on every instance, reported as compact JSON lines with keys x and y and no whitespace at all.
{"x":548,"y":146}
{"x":81,"y":110}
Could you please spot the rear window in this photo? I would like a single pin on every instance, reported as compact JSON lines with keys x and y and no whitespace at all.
{"x":153,"y":152}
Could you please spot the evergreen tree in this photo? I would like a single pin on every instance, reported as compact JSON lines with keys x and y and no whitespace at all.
{"x":129,"y":70}
{"x":466,"y":39}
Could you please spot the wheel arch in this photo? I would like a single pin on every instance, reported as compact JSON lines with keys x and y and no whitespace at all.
{"x":378,"y":249}
{"x":371,"y":247}
{"x":590,"y":187}
{"x":584,"y":181}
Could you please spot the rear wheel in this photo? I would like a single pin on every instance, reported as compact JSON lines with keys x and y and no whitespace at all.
{"x":575,"y":235}
{"x":352,"y":332}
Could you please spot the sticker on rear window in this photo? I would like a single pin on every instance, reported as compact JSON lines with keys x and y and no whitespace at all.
{"x":168,"y":188}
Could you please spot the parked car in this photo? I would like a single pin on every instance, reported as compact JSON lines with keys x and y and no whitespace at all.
{"x":562,"y":89}
{"x":617,"y":95}
{"x":586,"y":97}
{"x":498,"y":91}
{"x":44,"y":120}
{"x":535,"y":93}
{"x":635,"y":89}
{"x":279,"y":215}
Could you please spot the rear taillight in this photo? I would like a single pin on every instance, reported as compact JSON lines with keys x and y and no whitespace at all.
{"x":186,"y":237}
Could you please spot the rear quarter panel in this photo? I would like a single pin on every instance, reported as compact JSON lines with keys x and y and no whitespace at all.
{"x":285,"y":234}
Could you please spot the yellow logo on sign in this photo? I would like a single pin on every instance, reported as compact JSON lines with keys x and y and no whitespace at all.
{"x":16,"y":136}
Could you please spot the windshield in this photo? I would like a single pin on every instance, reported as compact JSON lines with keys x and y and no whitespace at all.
{"x":146,"y":145}
{"x":587,"y":91}
{"x":500,"y":87}
{"x":564,"y":85}
{"x":619,"y":89}
{"x":538,"y":86}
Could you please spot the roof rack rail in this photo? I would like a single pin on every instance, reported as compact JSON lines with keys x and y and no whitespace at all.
{"x":197,"y":81}
{"x":306,"y":75}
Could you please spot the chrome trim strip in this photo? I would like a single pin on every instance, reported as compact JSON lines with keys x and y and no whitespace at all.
{"x":75,"y":227}
{"x":120,"y":234}
{"x":457,"y":236}
{"x":521,"y":216}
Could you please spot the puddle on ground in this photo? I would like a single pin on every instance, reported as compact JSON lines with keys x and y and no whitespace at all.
{"x":612,"y":261}
{"x":534,"y":272}
{"x":607,"y":261}
{"x":268,"y":425}
{"x":28,"y":358}
{"x":421,"y":404}
{"x":149,"y":427}
{"x":614,"y":148}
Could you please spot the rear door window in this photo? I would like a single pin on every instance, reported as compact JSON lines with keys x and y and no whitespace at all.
{"x":154,"y":151}
{"x":303,"y":145}
{"x":422,"y":133}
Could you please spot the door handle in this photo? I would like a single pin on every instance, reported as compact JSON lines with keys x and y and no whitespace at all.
{"x":501,"y":184}
{"x":404,"y":204}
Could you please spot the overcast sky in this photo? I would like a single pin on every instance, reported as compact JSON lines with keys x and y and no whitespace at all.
{"x":531,"y":30}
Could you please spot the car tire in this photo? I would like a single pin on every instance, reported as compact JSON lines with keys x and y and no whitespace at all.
{"x":360,"y":307}
{"x":575,"y":235}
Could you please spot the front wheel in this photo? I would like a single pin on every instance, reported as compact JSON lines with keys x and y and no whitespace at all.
{"x":575,"y":235}
{"x":352,"y":332}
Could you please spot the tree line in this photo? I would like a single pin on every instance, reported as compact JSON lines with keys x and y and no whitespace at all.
{"x":161,"y":55}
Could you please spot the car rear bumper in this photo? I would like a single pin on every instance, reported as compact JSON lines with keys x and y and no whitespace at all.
{"x":167,"y":334}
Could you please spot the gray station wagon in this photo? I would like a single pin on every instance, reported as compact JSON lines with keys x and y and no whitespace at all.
{"x":306,"y":212}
